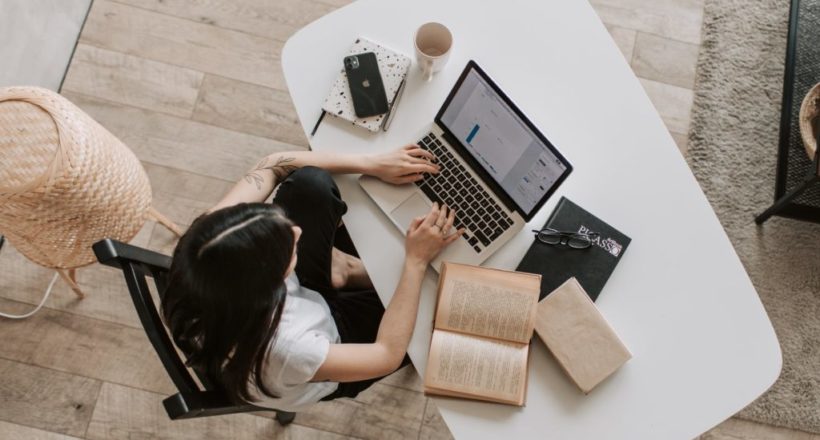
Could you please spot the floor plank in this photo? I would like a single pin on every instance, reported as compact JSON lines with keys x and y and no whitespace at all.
{"x":82,"y":346}
{"x":182,"y":210}
{"x":676,"y":19}
{"x":180,"y":143}
{"x":275,"y":20}
{"x":173,"y":182}
{"x":127,"y":413}
{"x":46,"y":399}
{"x":433,"y":426}
{"x":673,"y":103}
{"x":11,"y":431}
{"x":407,"y":378}
{"x":335,"y":3}
{"x":106,"y":295}
{"x":182,"y":196}
{"x":682,"y":142}
{"x":380,"y":412}
{"x":132,"y":80}
{"x":335,"y":416}
{"x":389,"y":412}
{"x":172,"y":40}
{"x":249,"y":108}
{"x":624,"y":38}
{"x":163,"y":241}
{"x":664,"y":60}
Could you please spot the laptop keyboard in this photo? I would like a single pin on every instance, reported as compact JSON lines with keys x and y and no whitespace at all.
{"x":455,"y":186}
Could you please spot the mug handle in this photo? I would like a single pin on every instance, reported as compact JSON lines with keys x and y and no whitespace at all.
{"x":428,"y":70}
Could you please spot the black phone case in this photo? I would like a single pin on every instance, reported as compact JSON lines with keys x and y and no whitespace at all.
{"x":366,"y":87}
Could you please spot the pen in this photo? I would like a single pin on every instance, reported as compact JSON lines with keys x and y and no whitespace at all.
{"x":392,"y":112}
{"x":316,"y":127}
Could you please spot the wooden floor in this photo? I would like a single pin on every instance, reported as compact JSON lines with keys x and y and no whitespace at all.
{"x":195,"y":88}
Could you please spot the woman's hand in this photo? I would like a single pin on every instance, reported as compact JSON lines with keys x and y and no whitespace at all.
{"x":426,"y":237}
{"x":405,"y":165}
{"x":431,"y":233}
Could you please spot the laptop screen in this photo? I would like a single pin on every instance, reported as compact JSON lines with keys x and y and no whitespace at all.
{"x":502,"y":141}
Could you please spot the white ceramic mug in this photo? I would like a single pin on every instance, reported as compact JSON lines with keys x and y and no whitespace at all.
{"x":433,"y":42}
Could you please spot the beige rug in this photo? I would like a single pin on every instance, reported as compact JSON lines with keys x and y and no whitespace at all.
{"x":733,"y":147}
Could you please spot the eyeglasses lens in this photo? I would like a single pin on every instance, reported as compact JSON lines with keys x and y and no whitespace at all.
{"x":579,"y":242}
{"x":549,"y":237}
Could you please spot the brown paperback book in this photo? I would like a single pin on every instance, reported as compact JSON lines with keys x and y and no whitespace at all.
{"x":481,"y":336}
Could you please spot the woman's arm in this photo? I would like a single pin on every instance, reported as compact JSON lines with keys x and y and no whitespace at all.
{"x":426,"y":237}
{"x":401,"y":166}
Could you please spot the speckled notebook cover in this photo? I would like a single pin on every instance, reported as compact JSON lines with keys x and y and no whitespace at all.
{"x":393,"y":67}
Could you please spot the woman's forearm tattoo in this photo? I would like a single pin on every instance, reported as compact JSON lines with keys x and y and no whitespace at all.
{"x":280,"y":168}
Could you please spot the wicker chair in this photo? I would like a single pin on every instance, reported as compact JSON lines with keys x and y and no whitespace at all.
{"x":65,"y":182}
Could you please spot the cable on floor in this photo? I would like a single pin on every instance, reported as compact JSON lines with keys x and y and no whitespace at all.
{"x":45,"y":298}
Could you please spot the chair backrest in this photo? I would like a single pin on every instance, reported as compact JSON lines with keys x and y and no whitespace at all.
{"x":137,"y":264}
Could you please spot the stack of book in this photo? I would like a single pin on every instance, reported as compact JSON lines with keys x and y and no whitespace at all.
{"x":486,"y":317}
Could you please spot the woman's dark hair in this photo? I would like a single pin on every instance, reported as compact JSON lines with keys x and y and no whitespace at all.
{"x":226,"y":292}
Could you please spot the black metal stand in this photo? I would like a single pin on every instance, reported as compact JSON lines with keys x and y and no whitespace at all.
{"x":796,"y":194}
{"x":783,"y":202}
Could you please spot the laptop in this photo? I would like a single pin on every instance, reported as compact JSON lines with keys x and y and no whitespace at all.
{"x":497,"y":170}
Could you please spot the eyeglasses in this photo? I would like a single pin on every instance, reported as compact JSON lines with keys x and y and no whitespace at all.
{"x":572,"y":239}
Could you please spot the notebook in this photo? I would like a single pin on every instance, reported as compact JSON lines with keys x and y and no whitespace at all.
{"x":393,"y":67}
{"x":592,"y":267}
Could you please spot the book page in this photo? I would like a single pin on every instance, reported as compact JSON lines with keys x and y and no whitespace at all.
{"x":487,"y":368}
{"x":487,"y":302}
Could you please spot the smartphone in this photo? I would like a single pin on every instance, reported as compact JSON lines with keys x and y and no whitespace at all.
{"x":366,"y":87}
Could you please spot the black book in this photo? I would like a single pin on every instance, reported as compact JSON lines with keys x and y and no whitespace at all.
{"x":591,"y":266}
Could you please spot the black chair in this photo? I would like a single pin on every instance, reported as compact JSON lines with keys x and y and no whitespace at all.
{"x":191,"y":401}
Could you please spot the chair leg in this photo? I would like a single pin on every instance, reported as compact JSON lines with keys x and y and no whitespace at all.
{"x":785,"y":200}
{"x":70,"y":277}
{"x":285,"y":418}
{"x":164,"y":221}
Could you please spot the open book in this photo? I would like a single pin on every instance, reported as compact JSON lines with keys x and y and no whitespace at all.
{"x":481,"y":337}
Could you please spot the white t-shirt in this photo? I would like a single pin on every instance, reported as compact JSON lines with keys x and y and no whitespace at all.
{"x":299,"y":347}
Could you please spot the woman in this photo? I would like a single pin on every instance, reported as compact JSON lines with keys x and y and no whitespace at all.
{"x":265,"y":305}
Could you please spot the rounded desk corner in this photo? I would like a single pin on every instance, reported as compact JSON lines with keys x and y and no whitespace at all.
{"x":778,"y":366}
{"x":302,"y":33}
{"x":772,"y":373}
{"x":289,"y":47}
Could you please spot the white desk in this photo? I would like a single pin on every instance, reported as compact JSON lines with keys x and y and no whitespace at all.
{"x":703,"y":346}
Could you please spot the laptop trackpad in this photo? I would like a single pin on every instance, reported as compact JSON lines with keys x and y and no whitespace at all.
{"x":415,"y":206}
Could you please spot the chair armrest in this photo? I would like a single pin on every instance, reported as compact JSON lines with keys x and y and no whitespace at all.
{"x":112,"y":253}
